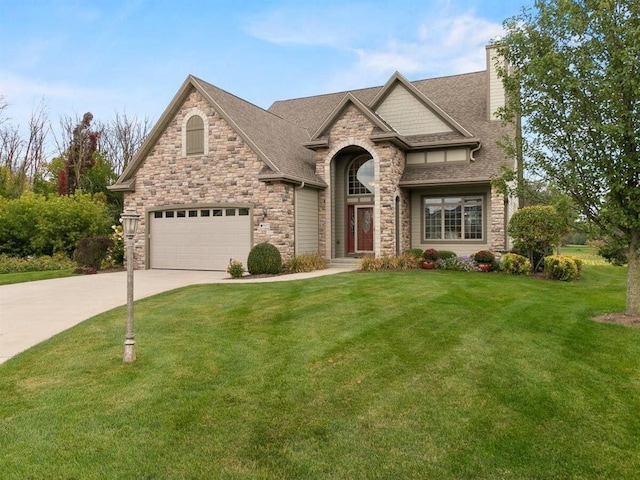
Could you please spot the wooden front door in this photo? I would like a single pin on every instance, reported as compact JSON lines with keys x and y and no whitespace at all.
{"x":359,"y":229}
{"x":364,"y":229}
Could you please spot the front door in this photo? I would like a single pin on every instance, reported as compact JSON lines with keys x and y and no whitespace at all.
{"x":360,"y":229}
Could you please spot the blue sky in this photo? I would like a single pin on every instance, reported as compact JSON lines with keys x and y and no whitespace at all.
{"x":132,"y":56}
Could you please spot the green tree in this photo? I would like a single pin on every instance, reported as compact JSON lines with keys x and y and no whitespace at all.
{"x":573,"y":77}
{"x":536,"y":231}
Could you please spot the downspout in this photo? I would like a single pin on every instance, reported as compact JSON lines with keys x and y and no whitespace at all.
{"x":474,"y":150}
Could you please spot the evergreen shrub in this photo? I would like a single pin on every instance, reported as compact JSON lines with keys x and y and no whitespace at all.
{"x":264,"y":258}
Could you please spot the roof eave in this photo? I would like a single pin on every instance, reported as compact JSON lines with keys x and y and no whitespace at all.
{"x":465,"y":142}
{"x":125,"y":186}
{"x":393,"y":137}
{"x":276,"y":176}
{"x":446,"y":182}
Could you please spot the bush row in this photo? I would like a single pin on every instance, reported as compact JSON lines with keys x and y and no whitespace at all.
{"x":36,"y":225}
{"x":9,"y":264}
{"x":404,"y":261}
{"x":556,"y":267}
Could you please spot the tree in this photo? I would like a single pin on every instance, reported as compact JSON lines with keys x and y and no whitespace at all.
{"x":536,"y":231}
{"x":78,"y":146}
{"x":21,"y":159}
{"x":572,"y":75}
{"x":121,"y":138}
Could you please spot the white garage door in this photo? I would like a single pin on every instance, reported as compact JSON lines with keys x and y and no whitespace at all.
{"x":199,"y":239}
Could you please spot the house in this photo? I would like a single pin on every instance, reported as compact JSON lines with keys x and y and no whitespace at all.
{"x":376,"y":170}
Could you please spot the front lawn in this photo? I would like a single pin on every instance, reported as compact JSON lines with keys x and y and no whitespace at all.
{"x":9,"y":278}
{"x":420,"y":374}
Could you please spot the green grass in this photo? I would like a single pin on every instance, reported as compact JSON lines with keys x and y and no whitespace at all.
{"x":421,"y":374}
{"x":589,"y":255}
{"x":9,"y":278}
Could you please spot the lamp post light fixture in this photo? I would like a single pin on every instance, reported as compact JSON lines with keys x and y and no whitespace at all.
{"x":129,"y":226}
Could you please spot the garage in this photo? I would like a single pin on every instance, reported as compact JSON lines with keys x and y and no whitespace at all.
{"x":199,"y":238}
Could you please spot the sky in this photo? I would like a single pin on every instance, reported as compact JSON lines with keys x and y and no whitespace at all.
{"x":132,"y":56}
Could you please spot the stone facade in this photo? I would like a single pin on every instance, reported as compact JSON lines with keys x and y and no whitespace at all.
{"x":353,"y":129}
{"x":227,"y":175}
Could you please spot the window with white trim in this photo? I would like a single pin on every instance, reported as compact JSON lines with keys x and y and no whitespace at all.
{"x":453,"y":218}
{"x":195,"y":135}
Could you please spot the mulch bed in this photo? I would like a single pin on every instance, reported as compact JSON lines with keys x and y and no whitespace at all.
{"x":619,"y":319}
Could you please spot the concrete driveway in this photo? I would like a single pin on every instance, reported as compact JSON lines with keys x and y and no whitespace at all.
{"x":35,"y":311}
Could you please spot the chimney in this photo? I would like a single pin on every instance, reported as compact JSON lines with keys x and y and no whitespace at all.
{"x":496,"y":93}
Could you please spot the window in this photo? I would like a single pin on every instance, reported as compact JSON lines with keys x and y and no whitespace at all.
{"x":157,"y":214}
{"x":230,"y":212}
{"x":195,"y":135}
{"x":181,"y":214}
{"x":453,"y":218}
{"x":193,"y":213}
{"x":360,"y":177}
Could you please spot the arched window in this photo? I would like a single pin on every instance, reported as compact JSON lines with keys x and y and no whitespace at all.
{"x":360,"y":176}
{"x":195,"y":135}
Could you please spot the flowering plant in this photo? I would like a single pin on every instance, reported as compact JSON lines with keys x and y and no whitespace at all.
{"x":463,"y":264}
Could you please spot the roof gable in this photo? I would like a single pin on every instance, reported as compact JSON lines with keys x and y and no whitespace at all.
{"x":410,"y":112}
{"x":347,"y":100}
{"x":277,"y":142}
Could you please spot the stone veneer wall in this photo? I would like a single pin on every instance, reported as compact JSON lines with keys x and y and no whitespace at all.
{"x":497,"y":234}
{"x":226,"y":176}
{"x":391,"y":167}
{"x":352,"y":128}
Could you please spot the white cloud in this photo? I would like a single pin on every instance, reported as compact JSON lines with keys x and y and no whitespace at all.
{"x":436,"y":41}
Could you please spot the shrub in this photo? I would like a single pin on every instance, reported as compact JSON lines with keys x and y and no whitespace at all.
{"x":34,"y":264}
{"x":430,"y":255}
{"x":612,"y":251}
{"x":36,"y":225}
{"x":235,"y":269}
{"x":404,"y":261}
{"x":515,"y":264}
{"x":462,"y":264}
{"x":371,"y":263}
{"x":92,"y":251}
{"x":264,"y":258}
{"x":445,"y":254}
{"x":115,"y":257}
{"x":560,"y":267}
{"x":484,"y":256}
{"x":536,"y":230}
{"x":416,"y":253}
{"x":306,"y":262}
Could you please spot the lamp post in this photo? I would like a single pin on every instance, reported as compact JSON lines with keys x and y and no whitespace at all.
{"x":129,"y":226}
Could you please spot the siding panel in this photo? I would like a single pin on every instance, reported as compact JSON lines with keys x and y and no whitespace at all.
{"x":307,"y":232}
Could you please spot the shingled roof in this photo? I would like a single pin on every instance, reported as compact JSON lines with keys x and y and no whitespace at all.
{"x":462,"y":97}
{"x":276,"y":141}
{"x":279,"y":135}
